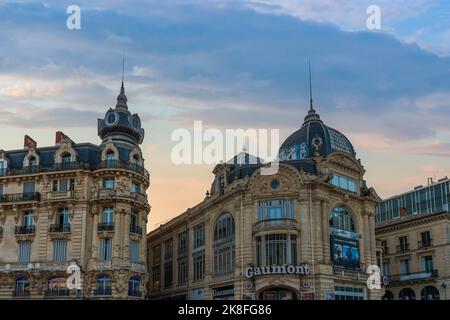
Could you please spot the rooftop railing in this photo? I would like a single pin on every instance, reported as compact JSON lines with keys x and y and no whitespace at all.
{"x":20,"y":197}
{"x":74,"y":165}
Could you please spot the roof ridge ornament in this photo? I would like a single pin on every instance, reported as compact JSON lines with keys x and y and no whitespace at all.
{"x":312,"y":115}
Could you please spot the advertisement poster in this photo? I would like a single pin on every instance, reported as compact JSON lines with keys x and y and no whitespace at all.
{"x":345,"y":253}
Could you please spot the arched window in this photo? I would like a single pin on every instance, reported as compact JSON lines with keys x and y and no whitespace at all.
{"x":429,"y":293}
{"x":56,"y":286}
{"x":341,"y":219}
{"x":388,"y":295}
{"x":110,"y":159}
{"x":32,"y":164}
{"x":407,"y":294}
{"x":103,"y":285}
{"x":224,"y":244}
{"x":66,"y":160}
{"x":22,"y":287}
{"x":134,"y":287}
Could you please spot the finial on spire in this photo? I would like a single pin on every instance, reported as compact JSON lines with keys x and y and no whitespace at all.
{"x":122,"y":98}
{"x":312,"y":115}
{"x":310,"y":88}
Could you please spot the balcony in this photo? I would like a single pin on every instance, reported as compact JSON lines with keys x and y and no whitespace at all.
{"x":136,"y":230}
{"x":106,"y":193}
{"x":59,"y":228}
{"x":413,"y":277}
{"x":64,"y":166}
{"x":20,"y":197}
{"x":275,"y":223}
{"x":57,"y":293}
{"x":21,"y":294}
{"x":107,"y":226}
{"x":25,"y":230}
{"x":403,"y":248}
{"x":424,"y":244}
{"x":116,"y":164}
{"x":60,"y":195}
{"x":107,"y":291}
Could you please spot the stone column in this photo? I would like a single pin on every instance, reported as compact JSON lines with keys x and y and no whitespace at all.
{"x":317,"y":217}
{"x":325,"y":235}
{"x":372,"y":238}
{"x":126,"y":235}
{"x":94,"y":233}
{"x":366,"y":239}
{"x":117,"y":233}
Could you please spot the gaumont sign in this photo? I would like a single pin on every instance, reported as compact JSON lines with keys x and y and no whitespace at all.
{"x":285,"y":269}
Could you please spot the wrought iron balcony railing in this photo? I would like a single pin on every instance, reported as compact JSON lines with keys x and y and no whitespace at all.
{"x":424,"y":243}
{"x":59,"y":228}
{"x":105,"y":226}
{"x":25,"y":229}
{"x":136,"y":229}
{"x":63,"y":292}
{"x":20,"y":197}
{"x":21,"y":293}
{"x":403,"y":248}
{"x":116,"y":164}
{"x":414,"y":276}
{"x":274,"y":223}
{"x":107,"y":291}
{"x":73,"y":165}
{"x":135,"y":293}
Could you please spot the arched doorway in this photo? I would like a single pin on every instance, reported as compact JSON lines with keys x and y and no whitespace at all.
{"x":388,"y":295}
{"x":407,"y":294}
{"x":277,"y":293}
{"x":429,"y":293}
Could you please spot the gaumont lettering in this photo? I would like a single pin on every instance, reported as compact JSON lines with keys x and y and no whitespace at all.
{"x":285,"y":269}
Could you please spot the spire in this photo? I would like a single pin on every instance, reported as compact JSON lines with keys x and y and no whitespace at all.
{"x":312,"y":115}
{"x":122,"y":98}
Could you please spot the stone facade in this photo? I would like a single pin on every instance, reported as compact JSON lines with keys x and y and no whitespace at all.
{"x":418,"y":266}
{"x":282,"y":223}
{"x":77,"y":204}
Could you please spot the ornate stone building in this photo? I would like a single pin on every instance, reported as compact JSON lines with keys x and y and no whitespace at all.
{"x":414,"y":231}
{"x":76,"y":203}
{"x":305,"y":232}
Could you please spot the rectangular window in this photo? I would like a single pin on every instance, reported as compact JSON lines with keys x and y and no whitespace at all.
{"x":156,"y":276}
{"x":134,"y":251}
{"x":63,"y":185}
{"x":105,"y":249}
{"x":343,"y":182}
{"x":1,"y":189}
{"x":2,"y":167}
{"x":427,"y":263}
{"x":108,"y":215}
{"x":183,"y":244}
{"x":59,"y":250}
{"x":108,"y":183}
{"x":404,"y":267}
{"x":24,"y":251}
{"x":199,"y":265}
{"x":28,"y":188}
{"x":168,"y":274}
{"x":28,"y":219}
{"x":425,"y":239}
{"x":168,"y":249}
{"x":385,"y":269}
{"x":134,"y":220}
{"x":135,"y":187}
{"x":63,"y":216}
{"x":403,"y":244}
{"x":199,"y":236}
{"x":182,"y":270}
{"x":276,"y":210}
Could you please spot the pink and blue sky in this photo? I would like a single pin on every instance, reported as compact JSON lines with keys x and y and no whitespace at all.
{"x":233,"y":64}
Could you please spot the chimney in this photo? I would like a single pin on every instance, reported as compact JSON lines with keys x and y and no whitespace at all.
{"x":403,"y":212}
{"x":29,"y":143}
{"x":59,"y":136}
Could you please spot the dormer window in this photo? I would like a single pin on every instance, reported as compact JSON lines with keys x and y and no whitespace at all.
{"x":3,"y":167}
{"x":66,"y":160}
{"x":32,"y":164}
{"x":110,"y":158}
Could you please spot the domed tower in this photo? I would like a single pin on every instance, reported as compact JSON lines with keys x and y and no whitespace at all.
{"x":119,"y":125}
{"x":119,"y":206}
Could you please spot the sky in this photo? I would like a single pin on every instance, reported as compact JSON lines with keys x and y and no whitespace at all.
{"x":233,"y":64}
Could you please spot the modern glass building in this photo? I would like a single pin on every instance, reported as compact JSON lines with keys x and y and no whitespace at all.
{"x":434,"y":197}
